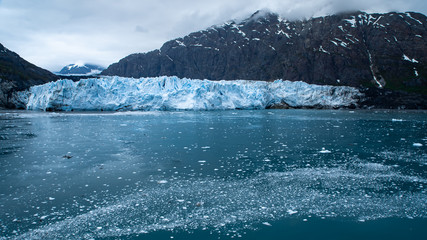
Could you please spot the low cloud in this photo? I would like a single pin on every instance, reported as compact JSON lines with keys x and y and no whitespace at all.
{"x":141,"y":29}
{"x":54,"y":33}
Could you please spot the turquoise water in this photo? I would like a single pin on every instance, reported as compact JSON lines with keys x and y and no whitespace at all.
{"x":282,"y":174}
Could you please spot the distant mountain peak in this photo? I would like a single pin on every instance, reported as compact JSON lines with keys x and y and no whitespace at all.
{"x":80,"y":68}
{"x":78,"y":64}
{"x":262,"y":13}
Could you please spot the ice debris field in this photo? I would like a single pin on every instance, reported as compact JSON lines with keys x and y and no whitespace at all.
{"x":133,"y":174}
{"x":222,"y":205}
{"x":173,"y":93}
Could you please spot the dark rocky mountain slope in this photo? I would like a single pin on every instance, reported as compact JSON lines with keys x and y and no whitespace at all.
{"x":354,"y":49}
{"x":16,"y":74}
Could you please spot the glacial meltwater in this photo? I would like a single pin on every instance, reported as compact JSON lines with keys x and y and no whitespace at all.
{"x":266,"y":174}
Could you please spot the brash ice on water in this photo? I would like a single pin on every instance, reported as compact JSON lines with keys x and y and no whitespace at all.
{"x":132,"y":175}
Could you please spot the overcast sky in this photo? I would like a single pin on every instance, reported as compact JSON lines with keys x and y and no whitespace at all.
{"x":54,"y":33}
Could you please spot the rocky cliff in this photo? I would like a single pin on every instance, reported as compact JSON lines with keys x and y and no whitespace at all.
{"x":16,"y":74}
{"x":352,"y":49}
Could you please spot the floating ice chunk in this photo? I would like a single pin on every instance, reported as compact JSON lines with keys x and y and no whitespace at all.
{"x":267,"y":224}
{"x":417,"y":145}
{"x":324,"y":150}
{"x":51,"y":198}
{"x":292,"y":212}
{"x":162,"y":182}
{"x":375,"y":166}
{"x":396,"y":120}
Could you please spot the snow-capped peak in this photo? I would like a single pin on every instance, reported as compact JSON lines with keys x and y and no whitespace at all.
{"x":81,"y":68}
{"x":80,"y":64}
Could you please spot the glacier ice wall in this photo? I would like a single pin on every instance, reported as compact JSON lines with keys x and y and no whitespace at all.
{"x":173,"y":93}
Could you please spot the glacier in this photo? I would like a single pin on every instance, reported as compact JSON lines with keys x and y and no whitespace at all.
{"x":173,"y":93}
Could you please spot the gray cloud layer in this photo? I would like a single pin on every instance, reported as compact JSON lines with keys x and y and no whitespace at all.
{"x":53,"y":33}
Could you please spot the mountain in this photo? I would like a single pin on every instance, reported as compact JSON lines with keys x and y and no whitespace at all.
{"x":81,"y":69}
{"x":16,"y":74}
{"x":351,"y":49}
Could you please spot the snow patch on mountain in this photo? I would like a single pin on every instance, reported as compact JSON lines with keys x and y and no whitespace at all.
{"x":406,"y":58}
{"x":172,"y":93}
{"x":81,"y":68}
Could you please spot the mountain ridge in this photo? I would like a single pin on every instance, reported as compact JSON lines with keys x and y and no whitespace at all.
{"x":17,"y":74}
{"x":347,"y":49}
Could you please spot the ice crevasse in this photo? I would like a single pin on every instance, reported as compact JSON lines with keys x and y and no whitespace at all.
{"x":173,"y":93}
